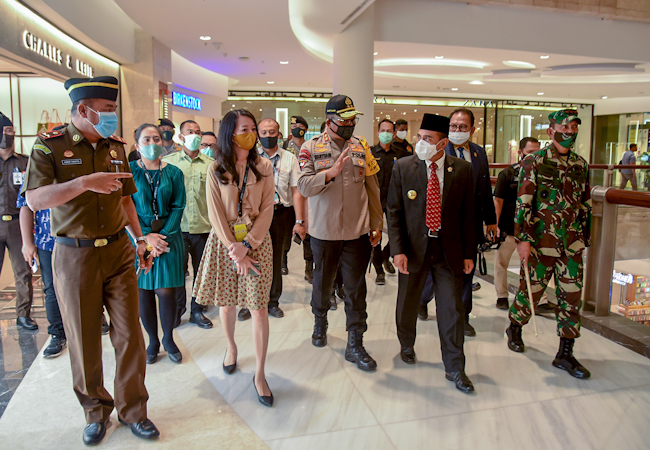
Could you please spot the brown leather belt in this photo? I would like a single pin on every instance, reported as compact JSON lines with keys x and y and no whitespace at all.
{"x":101,"y":242}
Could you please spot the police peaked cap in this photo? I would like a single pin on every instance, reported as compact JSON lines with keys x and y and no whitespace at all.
{"x":99,"y":87}
{"x":434,"y":122}
{"x":6,"y":121}
{"x":299,"y":119}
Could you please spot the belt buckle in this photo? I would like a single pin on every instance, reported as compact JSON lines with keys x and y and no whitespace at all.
{"x":432,"y":234}
{"x":101,"y":242}
{"x":7,"y":218}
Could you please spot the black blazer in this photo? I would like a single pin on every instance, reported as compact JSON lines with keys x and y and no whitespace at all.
{"x":483,"y":202}
{"x":407,"y":230}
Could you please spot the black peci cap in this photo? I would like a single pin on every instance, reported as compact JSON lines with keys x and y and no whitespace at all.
{"x":6,"y":121}
{"x":434,"y":122}
{"x":99,"y":87}
{"x":300,"y":120}
{"x":342,"y":106}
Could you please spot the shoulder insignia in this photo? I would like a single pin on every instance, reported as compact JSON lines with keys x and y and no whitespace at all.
{"x":50,"y":134}
{"x":42,"y":148}
{"x":117,"y":138}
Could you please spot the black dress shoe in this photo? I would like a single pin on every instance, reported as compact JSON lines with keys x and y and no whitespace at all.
{"x":266,"y":400}
{"x":26,"y":323}
{"x":502,"y":303}
{"x":200,"y":320}
{"x":285,"y":269}
{"x":243,"y":314}
{"x":388,"y":267}
{"x":476,"y":286}
{"x":231,"y":368}
{"x":275,"y":311}
{"x":408,"y":355}
{"x":176,"y":357}
{"x":381,"y":279}
{"x":333,"y":305}
{"x":461,"y":381}
{"x":423,"y":313}
{"x":145,"y":429}
{"x":469,"y":330}
{"x":179,"y":314}
{"x":56,"y":347}
{"x":106,"y":328}
{"x":94,"y":433}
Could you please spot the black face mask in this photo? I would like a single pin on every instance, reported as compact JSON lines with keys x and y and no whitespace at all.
{"x":7,"y":141}
{"x":344,"y":131}
{"x":298,"y":132}
{"x":269,"y":142}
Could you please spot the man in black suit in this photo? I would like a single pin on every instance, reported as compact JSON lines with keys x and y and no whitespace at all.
{"x":461,"y":129}
{"x":430,"y":214}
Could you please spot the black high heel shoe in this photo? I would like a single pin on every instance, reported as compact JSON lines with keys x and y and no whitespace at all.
{"x":152,"y":357}
{"x":264,"y":400}
{"x":231,"y":368}
{"x":175,"y":357}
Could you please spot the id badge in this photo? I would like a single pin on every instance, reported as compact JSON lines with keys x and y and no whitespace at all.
{"x":156,"y":225}
{"x":240,"y":232}
{"x":19,"y":177}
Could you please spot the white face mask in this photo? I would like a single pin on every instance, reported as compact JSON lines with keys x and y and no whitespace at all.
{"x":192,"y":142}
{"x":459,"y":137}
{"x":426,"y":151}
{"x":401,"y":134}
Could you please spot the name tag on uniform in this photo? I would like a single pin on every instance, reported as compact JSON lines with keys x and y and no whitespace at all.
{"x":240,"y":232}
{"x":19,"y":177}
{"x":71,"y":162}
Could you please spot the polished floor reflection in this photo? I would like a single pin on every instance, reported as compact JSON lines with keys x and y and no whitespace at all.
{"x":325,"y":402}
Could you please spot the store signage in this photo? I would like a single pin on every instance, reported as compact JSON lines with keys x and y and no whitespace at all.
{"x":481,"y":103}
{"x":46,"y":50}
{"x":622,"y":278}
{"x":186,"y":101}
{"x":541,"y":126}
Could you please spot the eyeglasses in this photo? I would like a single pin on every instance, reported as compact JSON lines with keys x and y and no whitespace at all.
{"x":353,"y":121}
{"x":462,"y":128}
{"x":212,"y":146}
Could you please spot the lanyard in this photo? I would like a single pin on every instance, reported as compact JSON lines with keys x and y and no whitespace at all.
{"x":154,"y":189}
{"x":241,"y":192}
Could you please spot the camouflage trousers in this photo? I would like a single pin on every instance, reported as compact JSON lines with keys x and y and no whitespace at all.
{"x":568,"y":272}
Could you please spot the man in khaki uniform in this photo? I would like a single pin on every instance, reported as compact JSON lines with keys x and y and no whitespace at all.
{"x":82,"y":174}
{"x":345,"y":220}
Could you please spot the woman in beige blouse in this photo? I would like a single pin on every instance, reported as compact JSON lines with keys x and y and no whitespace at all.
{"x":237,"y":264}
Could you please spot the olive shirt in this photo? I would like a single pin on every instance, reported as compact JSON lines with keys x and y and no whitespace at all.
{"x":61,"y":156}
{"x":195,"y":217}
{"x":347,"y":206}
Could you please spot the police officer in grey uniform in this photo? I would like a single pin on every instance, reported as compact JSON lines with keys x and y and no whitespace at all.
{"x":345,"y":221}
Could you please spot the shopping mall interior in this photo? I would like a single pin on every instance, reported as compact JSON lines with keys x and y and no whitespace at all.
{"x":510,"y":62}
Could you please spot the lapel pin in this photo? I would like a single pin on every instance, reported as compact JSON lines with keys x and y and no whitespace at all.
{"x":411,"y":195}
{"x":68,"y":154}
{"x":449,"y":169}
{"x":475,"y":154}
{"x":113,"y":154}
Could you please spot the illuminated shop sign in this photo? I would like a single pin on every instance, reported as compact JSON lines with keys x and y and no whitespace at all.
{"x":49,"y":51}
{"x":186,"y":101}
{"x":622,"y":278}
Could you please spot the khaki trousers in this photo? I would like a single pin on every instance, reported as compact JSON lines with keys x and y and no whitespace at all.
{"x":501,"y":261}
{"x":86,"y":279}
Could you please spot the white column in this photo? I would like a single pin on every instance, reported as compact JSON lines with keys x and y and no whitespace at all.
{"x":354,"y":71}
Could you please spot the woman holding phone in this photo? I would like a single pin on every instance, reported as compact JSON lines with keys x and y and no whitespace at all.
{"x":160,"y":202}
{"x":237,"y":264}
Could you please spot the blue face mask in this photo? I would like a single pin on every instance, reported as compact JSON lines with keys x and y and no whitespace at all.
{"x":151,"y":152}
{"x":107,"y":123}
{"x":207,"y":152}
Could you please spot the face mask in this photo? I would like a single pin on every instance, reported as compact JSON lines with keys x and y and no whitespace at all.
{"x":207,"y":152}
{"x":402,"y":134}
{"x":151,"y":152}
{"x":167,"y":135}
{"x":192,"y":142}
{"x":269,"y":142}
{"x":426,"y":151}
{"x":385,"y":137}
{"x":7,"y":141}
{"x":344,"y":131}
{"x":107,"y":123}
{"x":246,"y":141}
{"x":459,"y":137}
{"x":568,"y":139}
{"x":297,"y":133}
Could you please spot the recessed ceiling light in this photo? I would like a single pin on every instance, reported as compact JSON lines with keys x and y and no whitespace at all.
{"x":439,"y":57}
{"x":233,"y":106}
{"x":543,"y":57}
{"x":284,"y":62}
{"x":540,"y":93}
{"x":519,"y":64}
{"x":375,"y":54}
{"x":260,"y":109}
{"x":270,"y":82}
{"x":476,"y":82}
{"x":604,"y":97}
{"x":205,"y":38}
{"x":415,"y":110}
{"x":454,"y":89}
{"x":169,"y":82}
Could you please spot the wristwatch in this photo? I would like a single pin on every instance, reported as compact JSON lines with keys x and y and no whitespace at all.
{"x":247,"y":244}
{"x":141,"y":239}
{"x":300,"y":222}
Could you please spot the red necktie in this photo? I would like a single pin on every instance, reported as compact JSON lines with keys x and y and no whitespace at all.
{"x":434,"y":204}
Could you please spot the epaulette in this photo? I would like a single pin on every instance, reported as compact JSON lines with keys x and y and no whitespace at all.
{"x":117,"y":138}
{"x":50,"y":134}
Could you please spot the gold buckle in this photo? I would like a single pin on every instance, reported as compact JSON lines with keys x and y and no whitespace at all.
{"x":101,"y":242}
{"x":7,"y":218}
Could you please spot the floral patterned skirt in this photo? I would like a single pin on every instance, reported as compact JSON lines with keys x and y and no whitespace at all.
{"x":217,"y":281}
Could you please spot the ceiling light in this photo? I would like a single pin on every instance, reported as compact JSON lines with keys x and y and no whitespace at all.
{"x":233,"y":106}
{"x":415,"y":110}
{"x":439,"y":57}
{"x":260,"y":109}
{"x":543,"y":57}
{"x":519,"y":64}
{"x":540,"y":93}
{"x":375,"y":54}
{"x":205,"y":38}
{"x":429,"y":62}
{"x":476,"y":82}
{"x":270,"y":82}
{"x":284,"y":62}
{"x":454,"y":89}
{"x":604,"y":97}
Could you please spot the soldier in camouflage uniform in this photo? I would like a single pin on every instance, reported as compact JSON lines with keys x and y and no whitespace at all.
{"x":552,"y":224}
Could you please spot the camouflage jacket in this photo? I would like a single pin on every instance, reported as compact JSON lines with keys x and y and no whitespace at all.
{"x":554,"y":203}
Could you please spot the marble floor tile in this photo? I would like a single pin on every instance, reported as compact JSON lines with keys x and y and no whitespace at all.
{"x":361,"y":438}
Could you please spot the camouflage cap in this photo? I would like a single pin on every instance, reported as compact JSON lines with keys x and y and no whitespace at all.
{"x":564,"y":116}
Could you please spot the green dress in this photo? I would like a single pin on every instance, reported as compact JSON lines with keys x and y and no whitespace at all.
{"x":167,"y":270}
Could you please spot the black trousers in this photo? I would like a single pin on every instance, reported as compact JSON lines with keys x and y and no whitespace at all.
{"x":55,"y":328}
{"x":194,"y":246}
{"x":281,"y":227}
{"x":352,"y":257}
{"x":427,"y":292}
{"x":449,"y":307}
{"x":307,"y":253}
{"x":379,"y":256}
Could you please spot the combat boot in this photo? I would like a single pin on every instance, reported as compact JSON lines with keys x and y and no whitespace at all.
{"x":566,"y":361}
{"x":354,"y":352}
{"x":515,"y":343}
{"x":309,"y":270}
{"x":319,"y":337}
